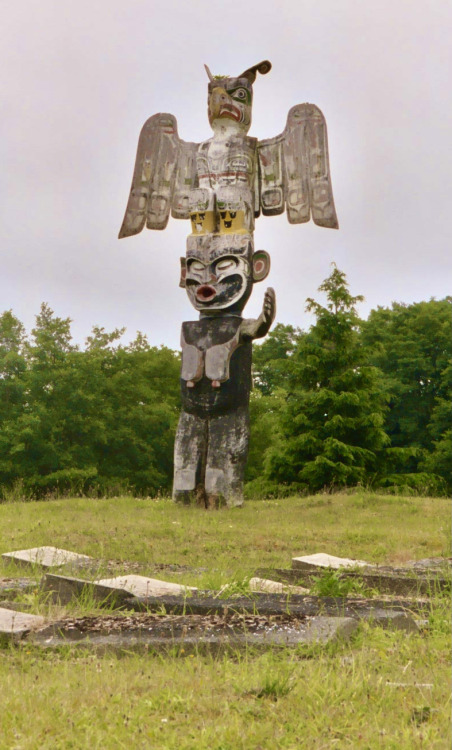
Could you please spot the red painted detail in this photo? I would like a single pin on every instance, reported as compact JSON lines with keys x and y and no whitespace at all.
{"x":206,"y":293}
{"x":228,"y":110}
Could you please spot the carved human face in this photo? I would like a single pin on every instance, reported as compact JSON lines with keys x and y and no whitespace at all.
{"x":218,"y":272}
{"x":231,"y":99}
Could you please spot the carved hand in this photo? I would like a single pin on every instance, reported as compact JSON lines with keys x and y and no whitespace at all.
{"x":255,"y":329}
{"x":268,"y":308}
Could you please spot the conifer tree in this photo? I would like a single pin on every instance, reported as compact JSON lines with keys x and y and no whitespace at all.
{"x":333,"y":421}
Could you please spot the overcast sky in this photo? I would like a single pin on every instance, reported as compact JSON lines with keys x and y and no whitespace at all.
{"x":80,"y":78}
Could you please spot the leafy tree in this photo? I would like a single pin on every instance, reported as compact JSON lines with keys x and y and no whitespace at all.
{"x":71,"y":420}
{"x":12,"y":387}
{"x":35,"y":437}
{"x":270,"y":358}
{"x":438,"y":461}
{"x":270,"y":370}
{"x":332,"y":424}
{"x":265,"y":432}
{"x":412,"y":345}
{"x":140,"y":390}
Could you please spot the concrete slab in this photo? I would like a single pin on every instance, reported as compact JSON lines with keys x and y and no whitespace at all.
{"x":323,"y":560}
{"x":17,"y":623}
{"x":10,"y":587}
{"x":142,"y":586}
{"x":65,"y":588}
{"x":275,"y":587}
{"x":387,"y":614}
{"x":323,"y":629}
{"x":111,"y":590}
{"x":45,"y":557}
{"x":390,"y":619}
{"x":193,"y":632}
{"x":386,"y":580}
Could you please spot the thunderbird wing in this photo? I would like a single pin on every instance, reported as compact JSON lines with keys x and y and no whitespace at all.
{"x":294,"y":170}
{"x":165,"y":171}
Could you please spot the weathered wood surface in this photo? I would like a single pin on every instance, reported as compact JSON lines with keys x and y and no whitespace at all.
{"x":223,"y":184}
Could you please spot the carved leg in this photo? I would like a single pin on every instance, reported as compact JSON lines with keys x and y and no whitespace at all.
{"x":226,"y":458}
{"x":190,"y":460}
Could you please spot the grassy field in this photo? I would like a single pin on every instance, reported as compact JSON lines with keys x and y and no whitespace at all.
{"x":382,"y":689}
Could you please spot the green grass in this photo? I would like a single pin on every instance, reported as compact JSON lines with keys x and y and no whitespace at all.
{"x":377,"y":528}
{"x":382,"y":689}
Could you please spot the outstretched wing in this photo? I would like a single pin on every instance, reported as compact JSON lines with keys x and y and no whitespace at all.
{"x":294,"y":170}
{"x":165,"y":170}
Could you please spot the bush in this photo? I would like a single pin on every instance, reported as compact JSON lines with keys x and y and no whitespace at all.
{"x":422,"y":483}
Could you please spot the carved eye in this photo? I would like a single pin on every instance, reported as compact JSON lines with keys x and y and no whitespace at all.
{"x":226,"y":264}
{"x":240,"y":94}
{"x":196,"y":266}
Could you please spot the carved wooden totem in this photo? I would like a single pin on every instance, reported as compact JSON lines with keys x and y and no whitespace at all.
{"x":222,"y":185}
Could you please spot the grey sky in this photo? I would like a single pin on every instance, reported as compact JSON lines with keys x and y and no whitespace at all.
{"x":80,"y":78}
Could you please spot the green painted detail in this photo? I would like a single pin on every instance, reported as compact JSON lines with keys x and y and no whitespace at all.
{"x":246,"y":100}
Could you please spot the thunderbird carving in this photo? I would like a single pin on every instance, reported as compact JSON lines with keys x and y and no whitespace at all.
{"x":224,"y":183}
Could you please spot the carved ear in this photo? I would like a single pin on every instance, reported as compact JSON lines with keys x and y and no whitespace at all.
{"x":183,"y":272}
{"x":263,"y":67}
{"x":261,"y":265}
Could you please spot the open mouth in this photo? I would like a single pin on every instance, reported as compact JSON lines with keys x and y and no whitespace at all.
{"x":205,"y":293}
{"x":228,"y":110}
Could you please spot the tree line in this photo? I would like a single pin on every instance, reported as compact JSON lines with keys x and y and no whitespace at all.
{"x":349,"y":402}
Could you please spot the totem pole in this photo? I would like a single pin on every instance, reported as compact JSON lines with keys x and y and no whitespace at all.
{"x":222,"y":185}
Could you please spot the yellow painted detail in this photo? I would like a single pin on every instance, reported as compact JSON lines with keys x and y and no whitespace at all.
{"x":233,"y":222}
{"x":203,"y":222}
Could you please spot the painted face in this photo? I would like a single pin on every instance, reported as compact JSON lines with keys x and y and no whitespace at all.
{"x":219,"y":271}
{"x":231,"y":99}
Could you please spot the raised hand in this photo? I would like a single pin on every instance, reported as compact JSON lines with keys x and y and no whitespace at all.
{"x":255,"y":329}
{"x":269,"y":307}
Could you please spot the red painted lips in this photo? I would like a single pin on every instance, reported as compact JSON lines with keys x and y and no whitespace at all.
{"x":206,"y":293}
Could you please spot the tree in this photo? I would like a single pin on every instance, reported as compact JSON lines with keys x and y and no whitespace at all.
{"x":333,"y":421}
{"x":438,"y":461}
{"x":140,"y":397}
{"x":412,"y":345}
{"x":35,"y":437}
{"x":102,"y":419}
{"x":12,"y":388}
{"x":270,"y":359}
{"x":270,"y":371}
